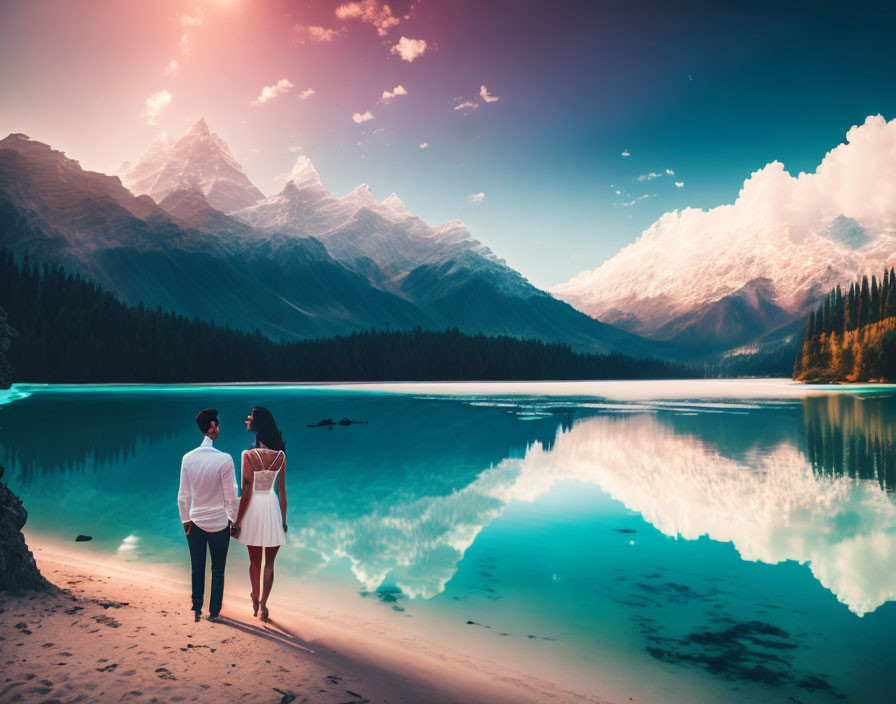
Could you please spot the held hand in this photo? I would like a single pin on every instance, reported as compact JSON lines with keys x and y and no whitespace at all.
{"x":187,"y":526}
{"x":234,"y":530}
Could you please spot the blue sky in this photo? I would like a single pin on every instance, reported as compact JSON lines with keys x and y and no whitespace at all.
{"x":710,"y":91}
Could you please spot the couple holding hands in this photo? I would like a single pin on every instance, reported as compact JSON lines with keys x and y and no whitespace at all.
{"x":211,"y":512}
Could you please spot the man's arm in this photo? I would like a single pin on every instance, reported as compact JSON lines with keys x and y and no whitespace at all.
{"x":228,"y":484}
{"x":184,"y":498}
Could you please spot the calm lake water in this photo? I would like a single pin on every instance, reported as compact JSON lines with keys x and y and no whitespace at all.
{"x":682,"y":541}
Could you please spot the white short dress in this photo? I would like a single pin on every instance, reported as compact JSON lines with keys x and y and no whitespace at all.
{"x":262,"y":522}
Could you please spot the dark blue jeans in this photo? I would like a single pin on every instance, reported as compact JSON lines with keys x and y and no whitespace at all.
{"x":217,"y":543}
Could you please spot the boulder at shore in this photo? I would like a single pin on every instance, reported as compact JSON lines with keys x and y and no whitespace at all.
{"x":18,"y":571}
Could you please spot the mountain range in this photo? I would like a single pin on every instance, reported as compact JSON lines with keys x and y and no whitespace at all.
{"x":190,"y":233}
{"x":742,"y":277}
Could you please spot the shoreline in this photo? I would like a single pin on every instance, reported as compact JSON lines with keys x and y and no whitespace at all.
{"x":129,"y":636}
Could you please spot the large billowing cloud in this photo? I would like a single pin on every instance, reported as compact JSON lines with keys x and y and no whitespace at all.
{"x":804,"y":233}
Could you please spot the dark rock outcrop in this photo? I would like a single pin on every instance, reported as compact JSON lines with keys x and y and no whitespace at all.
{"x":18,"y":571}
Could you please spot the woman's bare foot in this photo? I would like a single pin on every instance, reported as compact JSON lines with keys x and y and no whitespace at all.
{"x":254,"y":604}
{"x":264,"y":613}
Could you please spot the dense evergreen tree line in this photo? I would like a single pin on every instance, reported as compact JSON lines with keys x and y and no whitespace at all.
{"x":70,"y":331}
{"x":6,"y":334}
{"x":852,"y":337}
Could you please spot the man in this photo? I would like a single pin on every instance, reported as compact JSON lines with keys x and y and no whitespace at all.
{"x":208,"y":503}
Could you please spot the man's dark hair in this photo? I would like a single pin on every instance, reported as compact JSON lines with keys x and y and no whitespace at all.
{"x":204,"y":419}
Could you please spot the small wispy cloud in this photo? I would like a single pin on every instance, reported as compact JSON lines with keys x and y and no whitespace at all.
{"x":360,"y":117}
{"x":635,"y":200}
{"x":486,"y":96}
{"x":191,"y":20}
{"x":389,"y":94}
{"x":476,"y":197}
{"x":409,"y":49}
{"x":307,"y":93}
{"x":424,"y":145}
{"x":374,"y":13}
{"x":466,"y":105}
{"x":294,"y":148}
{"x":155,"y":104}
{"x":315,"y":33}
{"x":655,"y":174}
{"x":185,"y":45}
{"x":625,"y":152}
{"x":172,"y":69}
{"x":679,"y":184}
{"x":284,"y":85}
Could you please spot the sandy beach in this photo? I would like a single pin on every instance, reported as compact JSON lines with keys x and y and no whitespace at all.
{"x":119,"y":632}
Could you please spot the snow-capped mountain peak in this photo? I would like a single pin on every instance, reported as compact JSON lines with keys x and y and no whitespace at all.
{"x":395,"y":207}
{"x":200,"y":160}
{"x":361,"y":195}
{"x":303,"y":173}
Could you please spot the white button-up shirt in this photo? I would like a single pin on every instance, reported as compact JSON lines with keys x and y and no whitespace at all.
{"x":208,"y":494}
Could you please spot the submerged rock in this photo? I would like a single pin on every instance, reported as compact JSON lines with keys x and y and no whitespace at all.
{"x":18,"y":571}
{"x":83,"y":538}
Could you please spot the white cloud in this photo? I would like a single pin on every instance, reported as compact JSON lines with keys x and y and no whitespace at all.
{"x":155,"y":104}
{"x":315,"y":33}
{"x":466,"y":105}
{"x":307,"y":93}
{"x":370,"y":11}
{"x":282,"y":86}
{"x":389,"y":94}
{"x":294,"y":148}
{"x":424,"y":145}
{"x":648,"y":177}
{"x":172,"y":69}
{"x":191,"y":20}
{"x":679,"y":184}
{"x":486,"y":96}
{"x":360,"y":117}
{"x":185,"y":45}
{"x":626,"y":153}
{"x":476,"y":197}
{"x":409,"y":49}
{"x":670,"y":172}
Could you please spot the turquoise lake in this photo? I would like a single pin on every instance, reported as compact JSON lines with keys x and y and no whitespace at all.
{"x":685,"y":541}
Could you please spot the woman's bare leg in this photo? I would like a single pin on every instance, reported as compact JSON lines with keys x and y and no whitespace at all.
{"x":254,"y":568}
{"x":269,"y":555}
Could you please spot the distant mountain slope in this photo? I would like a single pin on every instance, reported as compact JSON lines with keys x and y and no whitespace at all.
{"x":286,"y":286}
{"x":443,"y":270}
{"x":725,"y":277}
{"x":198,"y":160}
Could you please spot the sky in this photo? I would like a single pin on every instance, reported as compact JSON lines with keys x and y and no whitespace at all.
{"x":557,"y":131}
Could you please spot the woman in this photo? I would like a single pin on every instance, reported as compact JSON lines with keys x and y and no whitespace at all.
{"x":260,"y":523}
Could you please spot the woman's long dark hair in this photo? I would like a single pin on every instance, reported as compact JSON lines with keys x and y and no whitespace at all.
{"x":266,"y":429}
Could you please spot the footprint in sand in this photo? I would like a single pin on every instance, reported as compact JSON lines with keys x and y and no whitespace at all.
{"x":165,"y":674}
